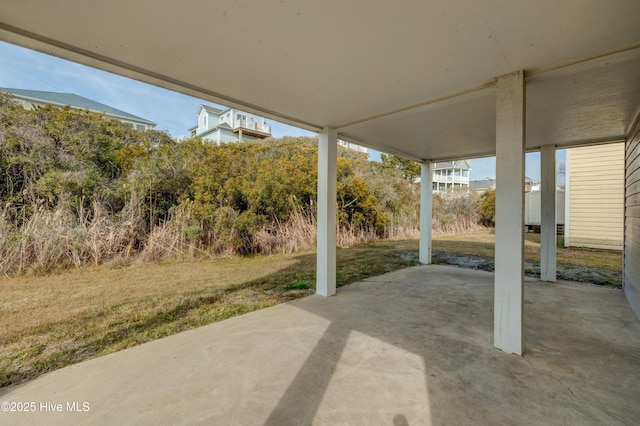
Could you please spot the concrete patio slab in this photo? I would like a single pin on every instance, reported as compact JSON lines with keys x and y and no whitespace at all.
{"x":412,"y":347}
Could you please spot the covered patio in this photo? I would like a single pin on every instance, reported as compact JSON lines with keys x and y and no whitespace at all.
{"x":425,"y":80}
{"x":409,"y":347}
{"x":428,"y":81}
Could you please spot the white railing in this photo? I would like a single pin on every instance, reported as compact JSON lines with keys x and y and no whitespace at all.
{"x":456,"y":179}
{"x":250,"y":125}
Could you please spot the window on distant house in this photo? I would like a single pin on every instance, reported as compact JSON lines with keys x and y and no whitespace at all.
{"x":140,"y":127}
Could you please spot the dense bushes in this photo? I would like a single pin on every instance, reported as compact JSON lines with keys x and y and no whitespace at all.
{"x":239,"y":189}
{"x":487,"y":208}
{"x":78,"y":188}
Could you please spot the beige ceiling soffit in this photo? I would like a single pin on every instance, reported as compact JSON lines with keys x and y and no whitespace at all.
{"x":402,"y":154}
{"x":490,"y":154}
{"x":537,"y":148}
{"x":381,"y":148}
{"x":147,"y":76}
{"x":475,"y":157}
{"x":634,"y":129}
{"x":471,"y":157}
{"x":579,"y":60}
{"x":409,"y":108}
{"x":592,"y":143}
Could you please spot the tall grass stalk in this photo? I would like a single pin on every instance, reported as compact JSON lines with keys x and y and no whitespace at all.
{"x":63,"y":238}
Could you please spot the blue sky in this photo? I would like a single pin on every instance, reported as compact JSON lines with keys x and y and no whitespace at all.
{"x":174,"y":112}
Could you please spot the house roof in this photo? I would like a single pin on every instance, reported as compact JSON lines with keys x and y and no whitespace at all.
{"x":74,"y":101}
{"x":483,"y":184}
{"x":213,"y":129}
{"x":461,"y":164}
{"x":207,"y":132}
{"x":489,"y":183}
{"x":209,"y":109}
{"x":415,"y":80}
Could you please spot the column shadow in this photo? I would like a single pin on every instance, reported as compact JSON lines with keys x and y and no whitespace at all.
{"x":302,"y":398}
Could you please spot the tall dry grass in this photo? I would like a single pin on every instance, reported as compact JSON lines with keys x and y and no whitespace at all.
{"x":63,"y":238}
{"x":298,"y":232}
{"x":403,"y":227}
{"x":59,"y":238}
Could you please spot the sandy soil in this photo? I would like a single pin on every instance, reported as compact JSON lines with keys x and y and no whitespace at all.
{"x":598,"y":276}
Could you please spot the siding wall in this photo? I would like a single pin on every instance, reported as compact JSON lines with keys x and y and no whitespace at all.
{"x":201,"y":125}
{"x":230,"y":117}
{"x":213,"y":120}
{"x":632,"y":223}
{"x":596,"y":196}
{"x":227,"y":135}
{"x":250,"y":117}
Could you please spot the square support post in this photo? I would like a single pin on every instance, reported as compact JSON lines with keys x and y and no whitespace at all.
{"x":426,"y":211}
{"x":326,"y":232}
{"x":548,"y":220}
{"x":567,"y":200}
{"x":509,"y":249}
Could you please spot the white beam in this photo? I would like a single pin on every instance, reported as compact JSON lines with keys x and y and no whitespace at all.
{"x":548,"y":220}
{"x":426,"y":211}
{"x":509,"y":250}
{"x":326,"y":235}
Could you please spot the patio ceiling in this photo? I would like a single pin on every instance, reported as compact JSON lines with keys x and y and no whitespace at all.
{"x":414,"y":78}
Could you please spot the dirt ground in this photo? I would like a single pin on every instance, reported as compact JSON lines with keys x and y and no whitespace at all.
{"x":592,"y":275}
{"x":476,"y":251}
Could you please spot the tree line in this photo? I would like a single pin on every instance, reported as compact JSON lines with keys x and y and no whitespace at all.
{"x":78,"y":188}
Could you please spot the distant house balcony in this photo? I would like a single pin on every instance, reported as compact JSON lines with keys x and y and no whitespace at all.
{"x":451,"y":179}
{"x":251,"y":128}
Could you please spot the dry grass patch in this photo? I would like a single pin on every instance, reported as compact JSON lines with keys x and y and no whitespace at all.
{"x":53,"y":321}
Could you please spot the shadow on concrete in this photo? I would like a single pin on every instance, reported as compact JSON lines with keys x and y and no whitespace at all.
{"x":409,"y":347}
{"x":288,"y":283}
{"x":581,"y":362}
{"x":302,"y":398}
{"x":400,"y":420}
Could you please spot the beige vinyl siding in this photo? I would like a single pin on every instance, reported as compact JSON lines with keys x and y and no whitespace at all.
{"x":632,"y":224}
{"x":596,"y":196}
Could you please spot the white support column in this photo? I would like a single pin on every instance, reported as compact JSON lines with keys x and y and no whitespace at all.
{"x":326,"y":234}
{"x":548,"y":230}
{"x":426,"y":211}
{"x":567,"y":199}
{"x":509,"y":250}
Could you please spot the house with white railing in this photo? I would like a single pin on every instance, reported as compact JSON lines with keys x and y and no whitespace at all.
{"x":449,"y":175}
{"x":353,"y":146}
{"x":229,"y":125}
